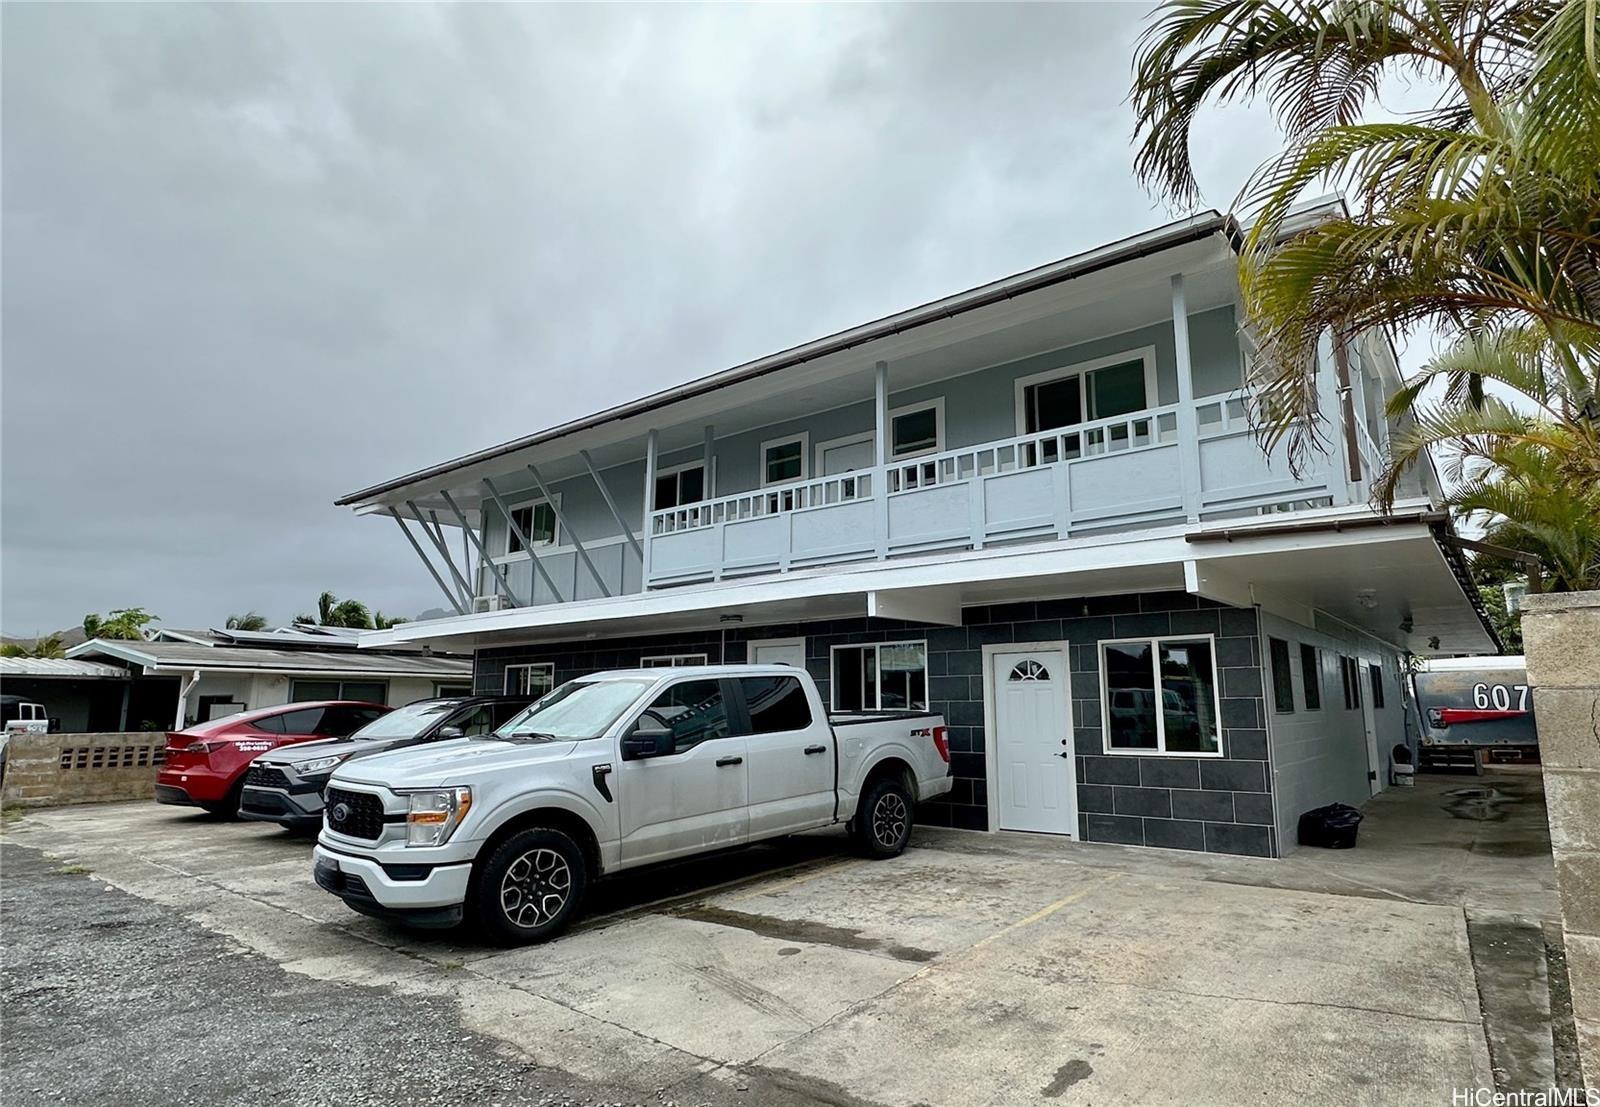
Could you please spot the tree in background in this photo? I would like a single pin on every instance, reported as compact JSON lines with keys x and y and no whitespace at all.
{"x":1479,"y":216}
{"x":334,"y":612}
{"x":250,"y":620}
{"x":48,"y":646}
{"x":124,"y":624}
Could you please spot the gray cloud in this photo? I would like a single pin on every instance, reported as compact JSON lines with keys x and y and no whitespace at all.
{"x":257,"y":255}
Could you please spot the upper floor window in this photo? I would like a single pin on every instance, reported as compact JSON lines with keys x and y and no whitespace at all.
{"x":916,"y":429}
{"x":685,"y":484}
{"x":1101,"y":389}
{"x":1159,"y":696}
{"x":537,"y":521}
{"x":784,"y":459}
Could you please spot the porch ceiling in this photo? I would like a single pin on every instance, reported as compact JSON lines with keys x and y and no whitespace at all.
{"x":1373,"y":579}
{"x":1132,"y":294}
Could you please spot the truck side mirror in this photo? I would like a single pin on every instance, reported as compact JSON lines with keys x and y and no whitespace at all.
{"x":648,"y":739}
{"x":446,"y":732}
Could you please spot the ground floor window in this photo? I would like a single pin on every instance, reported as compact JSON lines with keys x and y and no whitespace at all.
{"x":534,"y":679}
{"x":1159,"y":696}
{"x":1350,"y":674}
{"x":882,"y":676}
{"x":441,"y":690}
{"x":1282,"y":678}
{"x":1376,"y":675}
{"x":362,"y":691}
{"x":1311,"y":676}
{"x":672,"y":660}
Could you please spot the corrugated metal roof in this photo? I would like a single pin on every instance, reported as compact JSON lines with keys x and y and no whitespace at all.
{"x":186,"y":656}
{"x":60,"y":668}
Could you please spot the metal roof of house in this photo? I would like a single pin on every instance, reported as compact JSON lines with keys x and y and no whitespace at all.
{"x":60,"y":668}
{"x":186,"y":656}
{"x":1165,"y":237}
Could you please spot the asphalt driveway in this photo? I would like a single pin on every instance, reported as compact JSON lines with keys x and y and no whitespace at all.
{"x":975,"y":969}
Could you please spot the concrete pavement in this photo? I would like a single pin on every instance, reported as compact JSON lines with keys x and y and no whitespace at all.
{"x":975,"y":969}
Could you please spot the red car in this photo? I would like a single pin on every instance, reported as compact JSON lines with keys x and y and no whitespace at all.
{"x":205,"y":764}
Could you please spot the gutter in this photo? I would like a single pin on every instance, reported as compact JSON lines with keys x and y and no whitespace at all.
{"x":1138,"y":246}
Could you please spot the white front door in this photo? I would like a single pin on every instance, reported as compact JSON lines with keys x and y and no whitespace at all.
{"x":1033,"y":742}
{"x":778,"y":651}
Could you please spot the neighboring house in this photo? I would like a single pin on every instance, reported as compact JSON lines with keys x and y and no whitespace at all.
{"x":196,"y":675}
{"x":78,"y":696}
{"x":1035,"y":506}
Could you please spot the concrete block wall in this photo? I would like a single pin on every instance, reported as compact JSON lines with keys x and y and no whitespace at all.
{"x":1561,"y":637}
{"x":1220,"y":805}
{"x":52,"y":770}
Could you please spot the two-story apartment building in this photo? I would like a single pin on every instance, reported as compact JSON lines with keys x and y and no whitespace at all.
{"x":1035,"y":506}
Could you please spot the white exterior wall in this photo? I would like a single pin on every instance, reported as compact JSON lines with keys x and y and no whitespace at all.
{"x":1321,"y":757}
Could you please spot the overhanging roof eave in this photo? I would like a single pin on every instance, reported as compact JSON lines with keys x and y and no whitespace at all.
{"x":1167,"y":237}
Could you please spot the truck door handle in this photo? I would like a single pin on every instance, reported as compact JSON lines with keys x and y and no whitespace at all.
{"x":816,"y":749}
{"x":724,"y":762}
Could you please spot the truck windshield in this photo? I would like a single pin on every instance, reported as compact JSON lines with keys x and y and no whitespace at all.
{"x":406,"y":722}
{"x":578,"y":709}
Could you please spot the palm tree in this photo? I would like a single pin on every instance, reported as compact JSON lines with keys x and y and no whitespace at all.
{"x":1524,"y":498}
{"x":384,"y":622}
{"x":250,"y":620}
{"x":50,"y":645}
{"x":1480,"y":215}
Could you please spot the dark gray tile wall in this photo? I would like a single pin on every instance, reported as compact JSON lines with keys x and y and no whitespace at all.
{"x":1216,"y":805}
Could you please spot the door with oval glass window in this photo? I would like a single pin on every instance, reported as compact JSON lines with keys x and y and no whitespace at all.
{"x":1036,"y":780}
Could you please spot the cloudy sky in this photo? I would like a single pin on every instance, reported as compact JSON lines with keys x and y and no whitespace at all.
{"x":258,"y":256}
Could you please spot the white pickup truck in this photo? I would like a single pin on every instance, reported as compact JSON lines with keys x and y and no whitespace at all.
{"x":610,"y":772}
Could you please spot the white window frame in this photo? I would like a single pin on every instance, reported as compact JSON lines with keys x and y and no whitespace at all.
{"x":834,"y":444}
{"x":512,"y":508}
{"x":804,"y":438}
{"x":1154,"y":641}
{"x":750,"y":648}
{"x":1147,"y":354}
{"x":833,"y":683}
{"x":672,"y":660}
{"x":937,"y":404}
{"x":548,"y":667}
{"x":675,"y":470}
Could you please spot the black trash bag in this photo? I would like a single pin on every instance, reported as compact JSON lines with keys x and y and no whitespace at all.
{"x":1330,"y":827}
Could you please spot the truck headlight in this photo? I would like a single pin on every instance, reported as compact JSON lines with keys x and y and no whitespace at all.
{"x":318,"y":765}
{"x":434,"y":814}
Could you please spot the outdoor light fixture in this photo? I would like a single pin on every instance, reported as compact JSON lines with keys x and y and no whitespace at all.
{"x":1367,"y":598}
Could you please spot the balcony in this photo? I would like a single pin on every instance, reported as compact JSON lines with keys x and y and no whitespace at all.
{"x":1158,"y":466}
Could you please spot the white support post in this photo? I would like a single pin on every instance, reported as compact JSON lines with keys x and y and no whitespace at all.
{"x":466,"y":528}
{"x":572,"y":535}
{"x":455,"y":600}
{"x":710,"y":479}
{"x":652,"y":445}
{"x":880,"y":453}
{"x":1188,"y":421}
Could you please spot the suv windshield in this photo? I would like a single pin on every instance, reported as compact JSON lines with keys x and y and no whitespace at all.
{"x":408,"y":721}
{"x":578,"y":709}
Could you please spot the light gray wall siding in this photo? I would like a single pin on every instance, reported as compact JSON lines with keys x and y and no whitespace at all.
{"x":1321,"y":757}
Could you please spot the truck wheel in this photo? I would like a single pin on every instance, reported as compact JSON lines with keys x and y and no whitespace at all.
{"x":529,"y":887}
{"x":883,"y":821}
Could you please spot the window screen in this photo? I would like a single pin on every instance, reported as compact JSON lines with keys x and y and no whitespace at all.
{"x":915,"y":432}
{"x":785,"y":461}
{"x":1311,"y":676}
{"x":1282,"y":677}
{"x":776,"y":704}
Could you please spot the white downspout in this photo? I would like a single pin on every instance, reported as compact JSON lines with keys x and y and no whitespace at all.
{"x":183,"y":699}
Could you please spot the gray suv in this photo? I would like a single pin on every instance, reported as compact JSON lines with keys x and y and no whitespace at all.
{"x":286,"y":785}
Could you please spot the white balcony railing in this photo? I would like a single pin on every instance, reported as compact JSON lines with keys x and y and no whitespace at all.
{"x":1115,"y":473}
